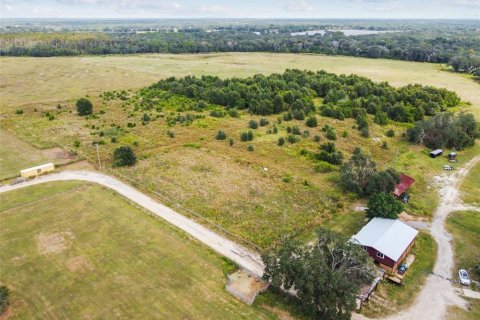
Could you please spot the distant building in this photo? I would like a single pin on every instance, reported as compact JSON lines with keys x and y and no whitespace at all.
{"x":387,"y":241}
{"x":403,"y":185}
{"x":36,"y":171}
{"x":436,"y":153}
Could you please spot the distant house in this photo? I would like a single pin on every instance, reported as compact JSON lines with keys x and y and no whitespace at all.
{"x":436,"y":153}
{"x":387,"y":241}
{"x":403,"y":185}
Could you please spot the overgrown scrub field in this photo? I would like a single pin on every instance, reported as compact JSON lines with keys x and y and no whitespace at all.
{"x":390,"y":298}
{"x":73,"y":250}
{"x":465,"y":229}
{"x":260,"y":195}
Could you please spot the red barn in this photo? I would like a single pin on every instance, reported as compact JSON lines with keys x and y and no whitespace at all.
{"x":403,"y":185}
{"x":387,"y":241}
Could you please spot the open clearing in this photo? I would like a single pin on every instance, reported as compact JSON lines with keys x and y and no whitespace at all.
{"x":73,"y":250}
{"x":16,"y":154}
{"x":59,"y":79}
{"x":258,"y":196}
{"x":470,"y":187}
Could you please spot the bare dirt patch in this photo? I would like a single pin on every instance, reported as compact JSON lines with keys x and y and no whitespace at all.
{"x":78,"y":264}
{"x":53,"y":243}
{"x":245,"y":286}
{"x":57,"y":154}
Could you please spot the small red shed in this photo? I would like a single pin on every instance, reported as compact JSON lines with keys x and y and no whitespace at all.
{"x":403,"y":185}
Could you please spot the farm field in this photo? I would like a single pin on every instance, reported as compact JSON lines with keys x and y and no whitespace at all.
{"x":258,"y":196}
{"x":76,"y":251}
{"x":59,"y":79}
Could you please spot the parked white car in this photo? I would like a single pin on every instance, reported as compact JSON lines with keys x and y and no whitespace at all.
{"x":464,"y":279}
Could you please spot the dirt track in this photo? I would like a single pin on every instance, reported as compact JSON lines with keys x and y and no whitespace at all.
{"x":241,"y":255}
{"x":432,"y":301}
{"x":438,"y":292}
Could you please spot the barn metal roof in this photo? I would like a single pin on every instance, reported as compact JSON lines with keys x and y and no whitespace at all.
{"x":403,"y":185}
{"x":390,"y":237}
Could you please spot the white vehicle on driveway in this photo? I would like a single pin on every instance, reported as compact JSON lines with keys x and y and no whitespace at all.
{"x":464,"y":279}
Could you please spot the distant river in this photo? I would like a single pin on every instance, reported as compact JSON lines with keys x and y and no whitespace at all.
{"x":347,"y":32}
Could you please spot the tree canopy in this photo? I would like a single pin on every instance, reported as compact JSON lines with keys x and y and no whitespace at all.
{"x":84,"y":107}
{"x":124,"y":156}
{"x":383,"y":205}
{"x":326,"y":276}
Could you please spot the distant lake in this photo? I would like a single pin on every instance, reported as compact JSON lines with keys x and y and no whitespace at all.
{"x":347,"y":32}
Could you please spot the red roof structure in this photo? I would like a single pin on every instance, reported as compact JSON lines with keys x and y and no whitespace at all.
{"x":405,"y":183}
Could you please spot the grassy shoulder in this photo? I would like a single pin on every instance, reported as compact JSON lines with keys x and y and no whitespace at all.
{"x":390,"y":298}
{"x":473,"y":312}
{"x":464,"y":226}
{"x":470,"y":186}
{"x":74,"y":250}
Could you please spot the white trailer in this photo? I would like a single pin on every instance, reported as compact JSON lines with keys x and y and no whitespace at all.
{"x":36,"y":171}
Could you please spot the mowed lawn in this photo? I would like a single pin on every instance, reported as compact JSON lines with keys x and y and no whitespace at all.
{"x":73,"y":250}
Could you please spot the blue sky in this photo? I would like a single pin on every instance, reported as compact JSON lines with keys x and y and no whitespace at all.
{"x":429,"y":9}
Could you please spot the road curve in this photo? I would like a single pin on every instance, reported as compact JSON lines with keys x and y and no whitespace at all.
{"x":242,"y":256}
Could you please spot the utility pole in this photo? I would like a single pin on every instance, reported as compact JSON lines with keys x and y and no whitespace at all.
{"x":98,"y":156}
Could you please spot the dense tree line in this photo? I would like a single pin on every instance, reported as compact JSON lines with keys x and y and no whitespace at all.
{"x":293,"y":92}
{"x":418,"y":45}
{"x":446,"y":130}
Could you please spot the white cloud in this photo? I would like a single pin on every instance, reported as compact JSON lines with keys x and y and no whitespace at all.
{"x":296,"y":6}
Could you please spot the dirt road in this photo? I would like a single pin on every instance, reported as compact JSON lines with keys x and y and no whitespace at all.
{"x":241,"y":255}
{"x":438,"y":292}
{"x":432,"y":301}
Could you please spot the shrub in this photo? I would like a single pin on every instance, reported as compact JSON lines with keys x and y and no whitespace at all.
{"x":312,"y":122}
{"x":365,"y":132}
{"x":344,"y":134}
{"x":201,"y":104}
{"x":331,"y":134}
{"x":250,"y":147}
{"x":4,"y":297}
{"x":390,"y":133}
{"x":385,"y":145}
{"x":317,"y":138}
{"x":275,"y":129}
{"x":289,"y":129}
{"x":113,"y":140}
{"x":231,"y":142}
{"x":246,"y":136}
{"x":293,"y":139}
{"x":124,"y":156}
{"x":19,"y":111}
{"x":233,"y":113}
{"x":323,"y":167}
{"x":281,"y":141}
{"x":263,"y":122}
{"x":217,"y":113}
{"x":145,"y":118}
{"x":298,"y":115}
{"x":76,"y":143}
{"x":84,"y":107}
{"x":221,"y":135}
{"x":252,"y":124}
{"x":306,"y":134}
{"x":287,"y":116}
{"x":296,"y":130}
{"x":171,"y":133}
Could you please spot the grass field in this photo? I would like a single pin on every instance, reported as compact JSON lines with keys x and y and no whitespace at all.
{"x":465,"y":229}
{"x":470,"y":186}
{"x":260,"y":196}
{"x":59,"y":79}
{"x":76,"y":251}
{"x":16,"y":154}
